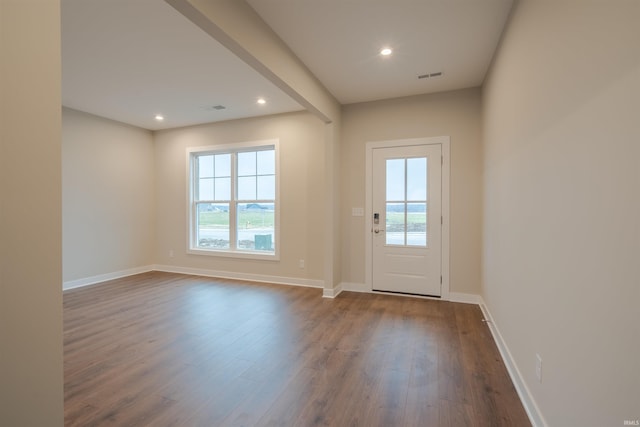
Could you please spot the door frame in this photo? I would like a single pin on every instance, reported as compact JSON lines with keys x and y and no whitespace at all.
{"x":444,"y":141}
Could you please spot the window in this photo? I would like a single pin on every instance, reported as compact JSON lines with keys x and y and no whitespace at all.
{"x":233,"y":204}
{"x":406,"y":202}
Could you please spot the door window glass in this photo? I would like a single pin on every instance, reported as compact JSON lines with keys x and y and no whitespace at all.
{"x":406,"y":202}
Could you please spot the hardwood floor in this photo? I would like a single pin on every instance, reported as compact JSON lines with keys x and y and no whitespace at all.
{"x":161,"y":349}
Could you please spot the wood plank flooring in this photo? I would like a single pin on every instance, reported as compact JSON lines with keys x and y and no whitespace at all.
{"x":161,"y":349}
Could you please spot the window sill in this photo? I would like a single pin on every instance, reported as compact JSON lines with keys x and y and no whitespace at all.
{"x":235,"y":254}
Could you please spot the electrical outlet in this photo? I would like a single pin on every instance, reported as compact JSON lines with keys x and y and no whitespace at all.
{"x":539,"y":368}
{"x":170,"y":253}
{"x":301,"y":263}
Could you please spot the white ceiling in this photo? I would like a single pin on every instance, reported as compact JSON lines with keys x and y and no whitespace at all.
{"x":130,"y":60}
{"x":340,"y":41}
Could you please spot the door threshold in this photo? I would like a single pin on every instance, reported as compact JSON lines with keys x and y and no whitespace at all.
{"x":406,"y":294}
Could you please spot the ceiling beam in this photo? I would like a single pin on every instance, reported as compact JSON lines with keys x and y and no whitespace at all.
{"x":235,"y":25}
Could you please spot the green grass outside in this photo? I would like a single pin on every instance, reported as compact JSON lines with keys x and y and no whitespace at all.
{"x":412,"y":217}
{"x":253,"y":219}
{"x":246,"y":219}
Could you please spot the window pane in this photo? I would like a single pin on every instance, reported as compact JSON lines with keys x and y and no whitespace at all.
{"x":266,"y":162}
{"x":266,"y":187}
{"x":247,"y":163}
{"x":395,"y":179}
{"x":395,"y":225}
{"x":205,"y":189}
{"x":417,"y":179}
{"x":223,"y":165}
{"x":213,"y":225}
{"x":205,"y":166}
{"x":247,"y":188}
{"x":223,"y":188}
{"x":416,"y":224}
{"x":256,"y":227}
{"x":227,"y":189}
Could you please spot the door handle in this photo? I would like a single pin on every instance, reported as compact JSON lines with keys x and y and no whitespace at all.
{"x":377,"y":231}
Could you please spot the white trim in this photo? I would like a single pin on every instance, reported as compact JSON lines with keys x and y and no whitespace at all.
{"x":93,"y":280}
{"x":445,"y":142}
{"x":529,"y":403}
{"x":260,"y":278}
{"x":332,"y":293}
{"x":406,"y":295}
{"x":446,"y":201}
{"x":235,"y":254}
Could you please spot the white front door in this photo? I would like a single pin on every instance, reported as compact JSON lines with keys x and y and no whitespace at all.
{"x":406,"y":224}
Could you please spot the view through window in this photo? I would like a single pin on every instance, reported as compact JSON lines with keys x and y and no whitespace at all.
{"x":406,"y":202}
{"x":233,"y":203}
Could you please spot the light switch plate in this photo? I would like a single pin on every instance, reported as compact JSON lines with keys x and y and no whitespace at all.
{"x":357,"y":211}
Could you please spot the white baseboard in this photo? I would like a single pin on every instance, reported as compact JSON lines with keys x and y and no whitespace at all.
{"x":87,"y":281}
{"x":261,"y":278}
{"x":293,"y":281}
{"x":529,"y":403}
{"x":332,"y":293}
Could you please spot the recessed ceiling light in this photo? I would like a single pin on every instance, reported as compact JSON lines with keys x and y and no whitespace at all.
{"x":262,"y":101}
{"x":159,"y":117}
{"x":386,"y":51}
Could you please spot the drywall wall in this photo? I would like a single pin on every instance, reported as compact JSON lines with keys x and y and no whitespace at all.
{"x":561,"y":206}
{"x":108,"y":196}
{"x":30,"y":215}
{"x":238,"y":27}
{"x":455,"y":114}
{"x":302,"y":185}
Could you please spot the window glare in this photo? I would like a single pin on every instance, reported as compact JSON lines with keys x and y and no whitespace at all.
{"x":417,"y":179}
{"x":223,"y":165}
{"x":247,"y":163}
{"x":266,"y":162}
{"x":266,"y":187}
{"x":205,"y":189}
{"x":395,"y":179}
{"x":247,"y":188}
{"x":223,"y":189}
{"x":205,"y":166}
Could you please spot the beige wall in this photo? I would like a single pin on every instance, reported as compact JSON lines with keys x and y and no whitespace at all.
{"x":455,"y":114}
{"x":302,"y":182}
{"x":108,"y":196}
{"x":239,"y":28}
{"x":562,"y":240}
{"x":30,"y":215}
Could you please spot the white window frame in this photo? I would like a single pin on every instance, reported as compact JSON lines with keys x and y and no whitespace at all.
{"x":192,"y":154}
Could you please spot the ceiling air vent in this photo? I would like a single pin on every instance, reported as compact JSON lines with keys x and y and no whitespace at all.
{"x":214,"y":107}
{"x":430,"y":75}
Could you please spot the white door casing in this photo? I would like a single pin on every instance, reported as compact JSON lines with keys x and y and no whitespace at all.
{"x":405,"y":253}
